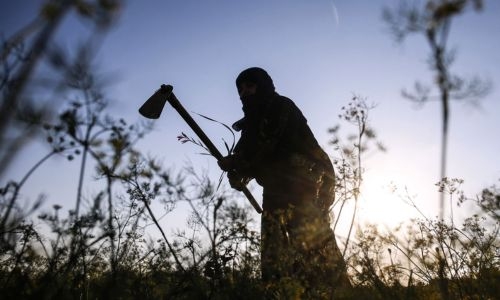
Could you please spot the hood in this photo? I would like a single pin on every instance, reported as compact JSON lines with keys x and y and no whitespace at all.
{"x":259,"y":77}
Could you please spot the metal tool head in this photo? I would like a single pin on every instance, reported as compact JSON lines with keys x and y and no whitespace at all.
{"x":153,"y":107}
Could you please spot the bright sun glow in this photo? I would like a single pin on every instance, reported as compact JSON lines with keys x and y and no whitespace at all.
{"x":381,"y":202}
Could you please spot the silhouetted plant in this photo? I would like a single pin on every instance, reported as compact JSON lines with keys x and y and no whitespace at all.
{"x":430,"y":259}
{"x":432,"y":19}
{"x":20,"y":56}
{"x":82,"y":130}
{"x":489,"y":201}
{"x":349,"y":166}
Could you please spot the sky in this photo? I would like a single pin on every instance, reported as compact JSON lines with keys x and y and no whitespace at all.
{"x":320,"y":54}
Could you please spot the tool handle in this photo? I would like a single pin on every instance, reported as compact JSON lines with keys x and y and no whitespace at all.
{"x":172,"y":99}
{"x":252,"y":200}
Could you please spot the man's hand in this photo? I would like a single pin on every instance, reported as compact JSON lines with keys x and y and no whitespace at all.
{"x":226,"y":163}
{"x":237,"y":182}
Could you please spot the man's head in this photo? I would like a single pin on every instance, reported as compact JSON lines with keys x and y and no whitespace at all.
{"x":254,"y":80}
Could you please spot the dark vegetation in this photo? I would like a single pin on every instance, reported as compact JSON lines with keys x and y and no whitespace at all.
{"x":111,"y":245}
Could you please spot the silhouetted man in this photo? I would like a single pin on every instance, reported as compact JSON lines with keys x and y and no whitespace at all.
{"x":278,"y":149}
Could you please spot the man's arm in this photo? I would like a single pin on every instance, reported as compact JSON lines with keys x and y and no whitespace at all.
{"x":260,"y":139}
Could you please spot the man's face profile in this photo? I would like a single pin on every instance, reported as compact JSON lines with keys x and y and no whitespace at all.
{"x":247,"y":89}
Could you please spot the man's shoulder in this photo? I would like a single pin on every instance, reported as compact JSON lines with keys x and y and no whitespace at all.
{"x":285,"y":102}
{"x":283,"y":99}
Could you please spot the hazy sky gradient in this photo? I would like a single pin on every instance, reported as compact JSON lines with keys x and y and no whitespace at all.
{"x":320,"y":53}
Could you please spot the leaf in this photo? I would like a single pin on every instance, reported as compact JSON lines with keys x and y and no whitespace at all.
{"x":225,"y":125}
